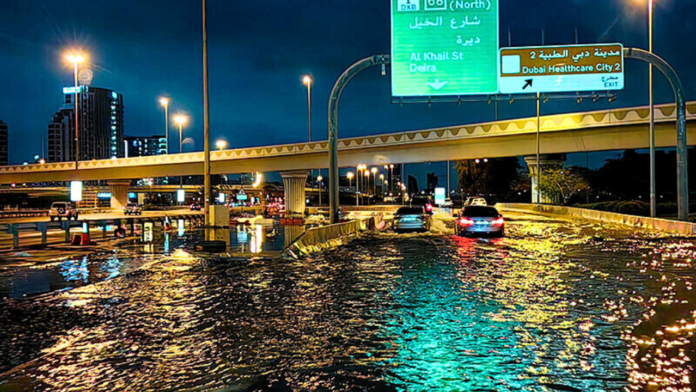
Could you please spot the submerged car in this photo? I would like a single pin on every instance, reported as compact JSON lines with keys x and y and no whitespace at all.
{"x":479,"y":220}
{"x":411,"y":219}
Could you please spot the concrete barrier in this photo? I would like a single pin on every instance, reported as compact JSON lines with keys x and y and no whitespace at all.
{"x":326,"y":237}
{"x":662,"y":225}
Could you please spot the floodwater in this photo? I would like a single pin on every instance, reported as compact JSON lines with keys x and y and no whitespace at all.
{"x":555,"y":306}
{"x":52,"y":270}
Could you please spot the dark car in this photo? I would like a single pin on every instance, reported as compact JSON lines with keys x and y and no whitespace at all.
{"x":422,"y":201}
{"x":479,"y":220}
{"x":411,"y":219}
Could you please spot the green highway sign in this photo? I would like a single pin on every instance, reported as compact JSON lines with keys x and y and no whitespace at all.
{"x":444,"y":47}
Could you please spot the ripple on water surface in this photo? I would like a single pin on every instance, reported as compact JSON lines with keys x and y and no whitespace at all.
{"x":555,"y":306}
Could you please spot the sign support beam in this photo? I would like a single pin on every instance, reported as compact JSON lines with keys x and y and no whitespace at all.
{"x":334,"y":100}
{"x":682,"y":146}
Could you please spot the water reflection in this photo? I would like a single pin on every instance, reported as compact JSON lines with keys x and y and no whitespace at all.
{"x":75,"y":270}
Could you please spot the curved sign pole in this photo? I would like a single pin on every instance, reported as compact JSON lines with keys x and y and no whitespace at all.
{"x":333,"y":125}
{"x":682,"y":146}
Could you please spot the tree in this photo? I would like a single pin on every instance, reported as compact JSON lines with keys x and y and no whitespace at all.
{"x":488,"y":177}
{"x":563,"y":183}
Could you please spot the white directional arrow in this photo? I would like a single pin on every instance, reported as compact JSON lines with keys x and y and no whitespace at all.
{"x":437,"y":84}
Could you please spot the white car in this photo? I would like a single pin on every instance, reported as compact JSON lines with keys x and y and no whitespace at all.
{"x":61,"y":210}
{"x":476,"y":201}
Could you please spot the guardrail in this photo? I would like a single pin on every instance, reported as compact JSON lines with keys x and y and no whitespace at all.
{"x":23,"y":214}
{"x":325,"y":237}
{"x":15,"y":229}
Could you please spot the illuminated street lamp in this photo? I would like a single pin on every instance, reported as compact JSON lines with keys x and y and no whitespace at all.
{"x":374,"y":183}
{"x":319,"y":180}
{"x":360,"y":168}
{"x":403,"y":195}
{"x":307,"y":81}
{"x":181,"y":120}
{"x":76,"y":59}
{"x":165,"y":104}
{"x":390,"y":169}
{"x":221,"y":144}
{"x":381,"y":177}
{"x":350,"y":176}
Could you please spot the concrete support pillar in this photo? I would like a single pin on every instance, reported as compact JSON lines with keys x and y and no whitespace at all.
{"x":547,"y":162}
{"x":119,"y":193}
{"x":295,"y":198}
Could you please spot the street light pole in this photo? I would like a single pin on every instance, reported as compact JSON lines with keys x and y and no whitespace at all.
{"x":538,"y":149}
{"x":653,"y":186}
{"x":76,"y":59}
{"x":319,"y":180}
{"x":206,"y":115}
{"x":308,"y":82}
{"x":165,"y":103}
{"x":357,"y":186}
{"x":180,"y":120}
{"x":181,"y":148}
{"x":77,"y":116}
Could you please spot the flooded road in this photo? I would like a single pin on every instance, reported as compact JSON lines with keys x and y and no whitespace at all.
{"x":555,"y":306}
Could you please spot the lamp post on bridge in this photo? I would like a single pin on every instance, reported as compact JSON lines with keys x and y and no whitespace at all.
{"x":76,"y":60}
{"x":350,"y":176}
{"x":165,"y":104}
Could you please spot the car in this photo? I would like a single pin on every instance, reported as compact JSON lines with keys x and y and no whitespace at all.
{"x":411,"y":219}
{"x":195,"y":207}
{"x":448,"y":203}
{"x":60,"y":210}
{"x":480,"y":220}
{"x":475,"y":201}
{"x":422,"y":201}
{"x":133,"y":209}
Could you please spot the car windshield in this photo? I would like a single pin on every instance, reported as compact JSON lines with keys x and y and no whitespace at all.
{"x":409,"y":211}
{"x":480,"y":212}
{"x":59,"y":205}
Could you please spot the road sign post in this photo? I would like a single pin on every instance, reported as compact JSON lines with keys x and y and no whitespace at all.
{"x":443,"y":47}
{"x":551,"y":69}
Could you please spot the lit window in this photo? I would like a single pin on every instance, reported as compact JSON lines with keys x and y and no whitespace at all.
{"x":114,"y":95}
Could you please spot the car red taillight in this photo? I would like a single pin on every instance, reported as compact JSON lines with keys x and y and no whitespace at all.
{"x":429,"y":207}
{"x":466,"y":222}
{"x":499,"y":222}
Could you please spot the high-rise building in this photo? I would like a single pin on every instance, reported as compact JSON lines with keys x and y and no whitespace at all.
{"x":144,"y":146}
{"x":100,"y":122}
{"x":4,"y":139}
{"x":433,"y":181}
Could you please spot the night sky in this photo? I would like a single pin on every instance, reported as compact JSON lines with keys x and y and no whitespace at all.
{"x":259,"y":51}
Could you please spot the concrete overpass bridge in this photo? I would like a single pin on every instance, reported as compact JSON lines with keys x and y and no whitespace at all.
{"x":617,"y":129}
